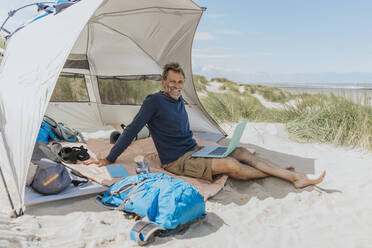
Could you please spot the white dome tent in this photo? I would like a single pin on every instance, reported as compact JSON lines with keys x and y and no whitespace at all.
{"x":93,"y":39}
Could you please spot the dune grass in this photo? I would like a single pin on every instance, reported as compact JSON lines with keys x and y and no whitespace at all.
{"x":270,"y":94}
{"x":331,"y":119}
{"x":227,"y":85}
{"x":200,"y":83}
{"x":323,"y":118}
{"x":228,"y":107}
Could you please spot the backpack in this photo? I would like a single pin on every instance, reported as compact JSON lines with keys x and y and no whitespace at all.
{"x":166,"y":201}
{"x":62,"y":131}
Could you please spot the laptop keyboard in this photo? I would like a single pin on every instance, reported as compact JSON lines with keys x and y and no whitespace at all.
{"x":218,"y":151}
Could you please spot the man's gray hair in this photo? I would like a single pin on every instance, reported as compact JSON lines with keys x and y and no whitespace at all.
{"x":174,"y":66}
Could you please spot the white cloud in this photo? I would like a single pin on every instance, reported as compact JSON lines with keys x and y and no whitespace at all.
{"x":204,"y":36}
{"x":211,"y":49}
{"x":212,"y":35}
{"x":210,"y":71}
{"x":223,"y":48}
{"x":210,"y":53}
{"x":200,"y":50}
{"x":210,"y":56}
{"x":225,"y":52}
{"x":229,"y":32}
{"x":258,"y":54}
{"x":218,"y":70}
{"x":245,"y":76}
{"x":254,"y":33}
{"x":215,"y":15}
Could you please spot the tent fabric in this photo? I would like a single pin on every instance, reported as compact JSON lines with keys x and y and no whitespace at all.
{"x":29,"y":72}
{"x":115,"y":63}
{"x":129,"y":38}
{"x":76,"y":115}
{"x":110,"y":38}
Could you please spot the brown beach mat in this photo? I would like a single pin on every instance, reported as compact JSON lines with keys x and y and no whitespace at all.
{"x":145,"y":147}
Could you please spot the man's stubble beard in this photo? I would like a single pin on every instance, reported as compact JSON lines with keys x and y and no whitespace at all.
{"x":168,"y":90}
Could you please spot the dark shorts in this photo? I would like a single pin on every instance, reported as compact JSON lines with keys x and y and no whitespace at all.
{"x":191,"y":167}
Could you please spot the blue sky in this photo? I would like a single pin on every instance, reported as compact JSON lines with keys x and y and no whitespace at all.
{"x":279,"y":41}
{"x":287,"y":40}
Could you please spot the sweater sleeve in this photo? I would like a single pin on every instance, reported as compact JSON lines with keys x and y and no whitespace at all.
{"x":144,"y":115}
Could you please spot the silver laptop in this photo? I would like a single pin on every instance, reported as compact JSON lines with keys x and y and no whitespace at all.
{"x":222,"y":151}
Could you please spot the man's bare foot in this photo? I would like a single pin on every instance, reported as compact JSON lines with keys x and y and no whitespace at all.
{"x":289,"y":167}
{"x":304,"y":180}
{"x":251,"y":150}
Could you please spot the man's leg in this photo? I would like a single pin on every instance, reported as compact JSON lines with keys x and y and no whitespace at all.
{"x":299,"y":180}
{"x":235,"y":169}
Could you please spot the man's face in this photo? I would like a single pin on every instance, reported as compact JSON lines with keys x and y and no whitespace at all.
{"x":174,"y":84}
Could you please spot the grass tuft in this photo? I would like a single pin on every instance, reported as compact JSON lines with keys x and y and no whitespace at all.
{"x":331,"y":119}
{"x":200,"y":83}
{"x":323,"y":118}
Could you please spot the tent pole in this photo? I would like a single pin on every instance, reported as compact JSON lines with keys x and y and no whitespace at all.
{"x":10,"y":199}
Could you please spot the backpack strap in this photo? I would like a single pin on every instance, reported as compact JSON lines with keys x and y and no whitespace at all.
{"x":77,"y":179}
{"x":105,"y":205}
{"x":73,"y":154}
{"x":144,"y":232}
{"x":81,"y":136}
{"x":132,"y":192}
{"x":62,"y":131}
{"x":51,"y":122}
{"x":123,"y":188}
{"x":68,"y":155}
{"x":79,"y":182}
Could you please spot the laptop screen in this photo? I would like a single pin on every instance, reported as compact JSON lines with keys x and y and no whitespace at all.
{"x":238,"y":132}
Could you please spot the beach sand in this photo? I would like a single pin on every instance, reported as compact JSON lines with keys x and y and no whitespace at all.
{"x":259,"y":213}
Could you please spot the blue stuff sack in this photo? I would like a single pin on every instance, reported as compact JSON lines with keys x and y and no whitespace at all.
{"x":166,"y":201}
{"x":50,"y":177}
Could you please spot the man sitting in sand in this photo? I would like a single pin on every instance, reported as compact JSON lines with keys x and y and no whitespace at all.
{"x":168,"y":122}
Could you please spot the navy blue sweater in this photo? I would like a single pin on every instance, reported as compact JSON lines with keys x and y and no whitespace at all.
{"x":168,"y":124}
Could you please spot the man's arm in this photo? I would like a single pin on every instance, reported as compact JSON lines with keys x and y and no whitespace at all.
{"x":144,"y":115}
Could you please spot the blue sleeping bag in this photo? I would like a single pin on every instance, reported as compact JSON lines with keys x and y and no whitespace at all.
{"x":166,"y":201}
{"x":45,"y":133}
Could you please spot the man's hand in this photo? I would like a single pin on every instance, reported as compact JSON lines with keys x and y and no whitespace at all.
{"x":99,"y":162}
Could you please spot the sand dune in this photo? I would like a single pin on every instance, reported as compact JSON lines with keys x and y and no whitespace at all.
{"x":258,"y":213}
